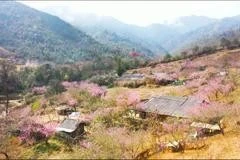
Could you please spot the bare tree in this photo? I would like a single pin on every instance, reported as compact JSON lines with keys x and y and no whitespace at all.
{"x":225,"y":43}
{"x":7,"y":80}
{"x":195,"y":50}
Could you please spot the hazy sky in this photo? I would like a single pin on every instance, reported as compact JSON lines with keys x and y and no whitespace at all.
{"x":141,"y":12}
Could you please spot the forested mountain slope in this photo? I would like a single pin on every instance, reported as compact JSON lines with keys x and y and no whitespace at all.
{"x":32,"y":34}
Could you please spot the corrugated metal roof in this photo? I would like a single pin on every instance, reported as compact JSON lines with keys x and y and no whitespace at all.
{"x":68,"y":125}
{"x":170,"y":105}
{"x":206,"y":125}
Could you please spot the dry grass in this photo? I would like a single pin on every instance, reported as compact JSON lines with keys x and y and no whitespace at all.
{"x":218,"y":147}
{"x":147,"y":92}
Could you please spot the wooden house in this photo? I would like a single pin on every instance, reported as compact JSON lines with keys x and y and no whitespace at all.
{"x":179,"y":107}
{"x":168,"y":106}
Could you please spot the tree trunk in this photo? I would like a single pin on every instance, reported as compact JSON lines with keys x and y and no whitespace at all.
{"x":7,"y":103}
{"x":46,"y":142}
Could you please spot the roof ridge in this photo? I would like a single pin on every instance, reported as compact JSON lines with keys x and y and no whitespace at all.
{"x":171,"y":97}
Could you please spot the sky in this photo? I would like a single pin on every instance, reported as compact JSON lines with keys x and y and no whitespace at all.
{"x":140,"y":13}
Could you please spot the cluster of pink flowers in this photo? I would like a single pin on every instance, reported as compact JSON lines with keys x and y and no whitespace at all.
{"x":67,"y":84}
{"x":175,"y":75}
{"x":214,"y":87}
{"x":39,"y":90}
{"x":32,"y":131}
{"x":208,"y":111}
{"x":130,"y":98}
{"x":196,"y":75}
{"x":163,"y":77}
{"x":175,"y":127}
{"x":134,"y":54}
{"x":92,"y":88}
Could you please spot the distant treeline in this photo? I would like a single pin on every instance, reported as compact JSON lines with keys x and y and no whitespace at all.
{"x":102,"y":71}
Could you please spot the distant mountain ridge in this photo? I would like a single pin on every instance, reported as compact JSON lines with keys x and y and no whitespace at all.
{"x":33,"y":34}
{"x":208,"y":35}
{"x":157,"y":38}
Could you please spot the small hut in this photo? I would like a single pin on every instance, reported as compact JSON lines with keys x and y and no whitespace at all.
{"x":169,"y":106}
{"x":64,"y":110}
{"x":131,"y":80}
{"x":73,"y":127}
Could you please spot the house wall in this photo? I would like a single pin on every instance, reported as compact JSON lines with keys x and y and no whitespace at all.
{"x":79,"y":131}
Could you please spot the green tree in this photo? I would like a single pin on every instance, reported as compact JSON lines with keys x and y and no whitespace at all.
{"x":225,"y":43}
{"x":235,"y":42}
{"x":120,"y":65}
{"x":167,"y":57}
{"x":184,"y":54}
{"x":55,"y":87}
{"x":195,"y":50}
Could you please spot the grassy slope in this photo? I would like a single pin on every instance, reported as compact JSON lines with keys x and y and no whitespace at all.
{"x":217,"y":146}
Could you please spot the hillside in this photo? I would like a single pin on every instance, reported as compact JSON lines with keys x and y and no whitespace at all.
{"x":32,"y":34}
{"x":113,"y":132}
{"x":131,"y":35}
{"x":94,"y":87}
{"x":152,"y":37}
{"x":190,"y":23}
{"x":122,"y":43}
{"x":208,"y":35}
{"x":155,"y":39}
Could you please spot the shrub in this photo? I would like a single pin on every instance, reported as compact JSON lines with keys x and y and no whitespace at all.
{"x":92,"y":88}
{"x":39,"y":90}
{"x":215,"y":88}
{"x":167,"y":57}
{"x":211,"y":112}
{"x":55,"y":87}
{"x":105,"y":79}
{"x":46,"y":148}
{"x":31,"y":131}
{"x":29,"y":98}
{"x":36,"y":105}
{"x":113,"y":119}
{"x":128,"y":99}
{"x":86,"y":100}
